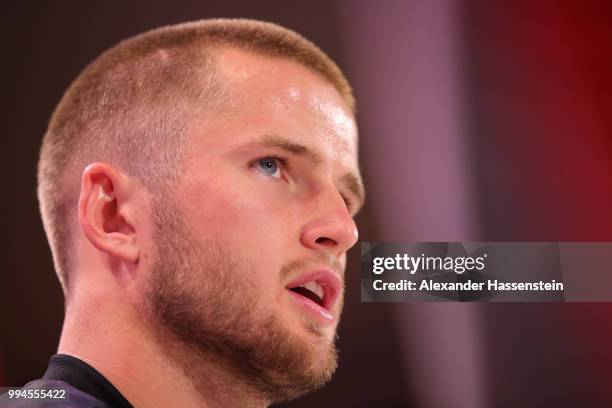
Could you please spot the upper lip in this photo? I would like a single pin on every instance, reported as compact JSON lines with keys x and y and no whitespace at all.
{"x":330,"y":282}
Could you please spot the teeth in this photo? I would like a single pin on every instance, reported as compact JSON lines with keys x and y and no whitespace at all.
{"x":314,"y":288}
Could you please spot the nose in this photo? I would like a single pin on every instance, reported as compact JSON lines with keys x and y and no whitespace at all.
{"x":332,"y":229}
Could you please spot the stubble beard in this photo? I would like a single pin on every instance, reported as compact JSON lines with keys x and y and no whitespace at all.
{"x":202,"y":296}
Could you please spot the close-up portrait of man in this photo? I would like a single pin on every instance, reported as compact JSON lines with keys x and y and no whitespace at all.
{"x":197,"y":185}
{"x":185,"y":221}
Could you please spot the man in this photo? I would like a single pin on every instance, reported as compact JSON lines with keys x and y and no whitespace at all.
{"x":197,"y":185}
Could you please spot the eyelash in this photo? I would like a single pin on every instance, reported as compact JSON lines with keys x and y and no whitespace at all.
{"x":347,"y":201}
{"x":283,"y":162}
{"x":281,"y":159}
{"x":284,"y":165}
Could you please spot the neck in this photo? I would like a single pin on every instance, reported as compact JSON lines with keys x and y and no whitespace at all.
{"x":148,"y":369}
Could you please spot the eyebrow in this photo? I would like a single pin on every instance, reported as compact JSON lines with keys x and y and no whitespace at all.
{"x":350,"y":180}
{"x":291,"y":147}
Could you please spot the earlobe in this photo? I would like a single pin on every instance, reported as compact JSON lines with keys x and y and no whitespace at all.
{"x":103,"y":203}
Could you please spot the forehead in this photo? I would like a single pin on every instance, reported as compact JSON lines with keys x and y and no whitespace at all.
{"x":276,"y":95}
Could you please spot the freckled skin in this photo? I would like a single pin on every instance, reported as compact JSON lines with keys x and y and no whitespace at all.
{"x":225,"y":196}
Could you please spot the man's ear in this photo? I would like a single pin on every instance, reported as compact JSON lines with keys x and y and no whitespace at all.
{"x":104,"y":211}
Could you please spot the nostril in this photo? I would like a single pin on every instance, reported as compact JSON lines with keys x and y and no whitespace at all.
{"x":328,"y":242}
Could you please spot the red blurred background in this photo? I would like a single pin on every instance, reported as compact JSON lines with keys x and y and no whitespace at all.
{"x":480,"y":120}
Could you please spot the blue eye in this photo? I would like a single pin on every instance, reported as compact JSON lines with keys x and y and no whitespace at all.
{"x":269,"y":165}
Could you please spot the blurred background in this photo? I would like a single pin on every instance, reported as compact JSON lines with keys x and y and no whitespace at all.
{"x":480,"y":120}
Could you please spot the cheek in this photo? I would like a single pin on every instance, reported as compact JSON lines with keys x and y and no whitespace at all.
{"x":250,"y":217}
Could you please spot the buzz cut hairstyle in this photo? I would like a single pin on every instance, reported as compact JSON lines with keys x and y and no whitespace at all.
{"x":133,"y":105}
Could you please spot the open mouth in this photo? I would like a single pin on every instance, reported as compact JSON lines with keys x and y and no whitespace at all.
{"x":317,"y":293}
{"x":310,"y":290}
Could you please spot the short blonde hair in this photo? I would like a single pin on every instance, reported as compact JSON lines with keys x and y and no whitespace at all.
{"x":131,"y":107}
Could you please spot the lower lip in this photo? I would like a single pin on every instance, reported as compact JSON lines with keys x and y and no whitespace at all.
{"x":319,"y":313}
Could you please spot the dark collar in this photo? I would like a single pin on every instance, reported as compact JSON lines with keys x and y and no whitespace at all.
{"x":84,"y":377}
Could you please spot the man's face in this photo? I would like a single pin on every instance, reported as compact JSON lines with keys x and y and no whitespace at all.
{"x":263,"y":208}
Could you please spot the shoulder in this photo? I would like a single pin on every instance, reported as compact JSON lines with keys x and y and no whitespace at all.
{"x":49,"y":394}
